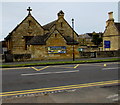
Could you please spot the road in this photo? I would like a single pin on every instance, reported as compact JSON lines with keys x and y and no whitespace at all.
{"x":60,"y":76}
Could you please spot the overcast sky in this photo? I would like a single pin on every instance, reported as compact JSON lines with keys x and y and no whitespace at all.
{"x":88,"y":16}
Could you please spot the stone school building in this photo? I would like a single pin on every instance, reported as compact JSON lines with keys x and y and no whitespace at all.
{"x":31,"y":41}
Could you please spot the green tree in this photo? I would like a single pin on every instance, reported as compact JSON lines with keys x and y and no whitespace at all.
{"x":97,"y":39}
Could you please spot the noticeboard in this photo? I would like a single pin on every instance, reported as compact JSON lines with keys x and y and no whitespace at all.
{"x":56,"y":49}
{"x":106,"y":44}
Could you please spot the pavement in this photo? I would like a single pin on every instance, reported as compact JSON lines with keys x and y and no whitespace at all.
{"x":83,"y":95}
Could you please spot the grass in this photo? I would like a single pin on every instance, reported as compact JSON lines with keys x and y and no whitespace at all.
{"x":61,"y":62}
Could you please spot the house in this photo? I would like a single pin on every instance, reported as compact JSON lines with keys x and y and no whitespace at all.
{"x":86,"y":41}
{"x":111,"y":36}
{"x":31,"y":41}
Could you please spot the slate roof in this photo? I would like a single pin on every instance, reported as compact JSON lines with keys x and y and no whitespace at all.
{"x":91,"y":34}
{"x":41,"y":40}
{"x":117,"y":26}
{"x":49,"y":25}
{"x":70,"y":40}
{"x":86,"y":36}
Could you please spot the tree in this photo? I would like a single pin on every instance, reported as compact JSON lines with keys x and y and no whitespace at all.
{"x":97,"y":39}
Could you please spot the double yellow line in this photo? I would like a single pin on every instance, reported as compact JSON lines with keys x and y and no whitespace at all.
{"x":13,"y":93}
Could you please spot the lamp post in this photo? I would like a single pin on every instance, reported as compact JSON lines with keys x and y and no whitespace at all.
{"x":73,"y":39}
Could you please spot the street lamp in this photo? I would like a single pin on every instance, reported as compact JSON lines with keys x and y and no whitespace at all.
{"x":73,"y":39}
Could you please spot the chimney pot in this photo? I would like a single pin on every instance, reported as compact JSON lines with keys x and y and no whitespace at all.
{"x":110,"y":15}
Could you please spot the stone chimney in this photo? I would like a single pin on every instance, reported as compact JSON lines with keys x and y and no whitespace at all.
{"x":60,"y":14}
{"x":110,"y":14}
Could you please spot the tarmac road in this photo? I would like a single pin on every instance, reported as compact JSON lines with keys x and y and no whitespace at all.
{"x":28,"y":78}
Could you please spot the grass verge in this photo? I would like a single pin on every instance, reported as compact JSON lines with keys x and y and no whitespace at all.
{"x":61,"y":62}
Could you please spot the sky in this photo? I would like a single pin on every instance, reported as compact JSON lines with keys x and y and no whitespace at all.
{"x":88,"y":16}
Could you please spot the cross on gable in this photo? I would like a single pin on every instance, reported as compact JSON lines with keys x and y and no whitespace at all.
{"x":29,"y":9}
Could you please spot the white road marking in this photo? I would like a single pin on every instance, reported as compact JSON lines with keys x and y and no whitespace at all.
{"x":112,"y":96}
{"x":50,"y":73}
{"x":110,"y":68}
{"x":116,"y":99}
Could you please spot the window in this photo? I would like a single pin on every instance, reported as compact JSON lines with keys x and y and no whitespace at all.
{"x":29,"y":22}
{"x":55,"y":35}
{"x":27,"y":39}
{"x":61,"y":24}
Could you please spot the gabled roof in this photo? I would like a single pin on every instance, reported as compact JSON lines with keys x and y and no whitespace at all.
{"x":71,"y":27}
{"x":70,"y":40}
{"x":20,"y":24}
{"x":90,"y":34}
{"x":49,"y":25}
{"x":85,"y":36}
{"x":117,"y":26}
{"x":41,"y":39}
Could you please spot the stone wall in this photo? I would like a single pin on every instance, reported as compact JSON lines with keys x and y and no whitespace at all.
{"x":108,"y":53}
{"x":66,"y":29}
{"x":40,"y":52}
{"x":111,"y":34}
{"x":100,"y":54}
{"x":28,"y":27}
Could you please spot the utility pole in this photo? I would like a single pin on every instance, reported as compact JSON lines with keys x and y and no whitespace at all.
{"x":73,"y":39}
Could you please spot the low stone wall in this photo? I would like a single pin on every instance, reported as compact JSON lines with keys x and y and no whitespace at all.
{"x":108,"y":53}
{"x":16,"y":57}
{"x":27,"y":57}
{"x":21,"y":57}
{"x":88,"y":54}
{"x":100,"y":54}
{"x":8,"y":57}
